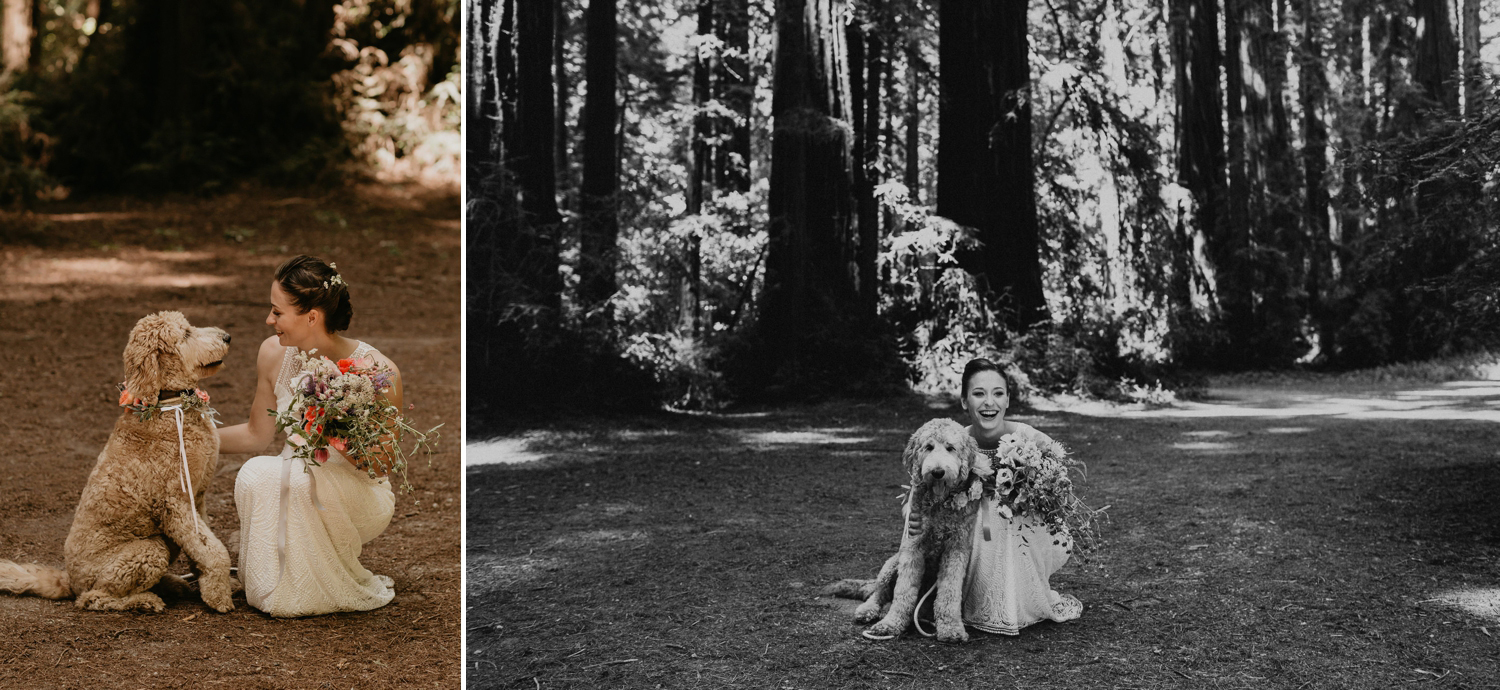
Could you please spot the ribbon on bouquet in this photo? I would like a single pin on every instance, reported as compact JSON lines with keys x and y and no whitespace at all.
{"x":287,"y":460}
{"x":185,"y":479}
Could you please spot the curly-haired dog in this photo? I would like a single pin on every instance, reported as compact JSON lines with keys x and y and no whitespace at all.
{"x":940,"y":458}
{"x":135,"y":513}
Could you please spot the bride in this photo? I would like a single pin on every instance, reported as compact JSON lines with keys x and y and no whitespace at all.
{"x":301,"y":530}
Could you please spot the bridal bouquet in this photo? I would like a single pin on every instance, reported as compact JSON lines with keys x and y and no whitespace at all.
{"x":338,"y":405}
{"x":1032,"y":479}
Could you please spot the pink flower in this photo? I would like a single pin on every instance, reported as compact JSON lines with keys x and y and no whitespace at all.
{"x":202,"y":395}
{"x":338,"y":443}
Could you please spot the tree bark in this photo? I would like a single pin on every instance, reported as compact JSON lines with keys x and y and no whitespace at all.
{"x":809,"y":282}
{"x":912,"y":174}
{"x":599,"y":224}
{"x":867,"y":162}
{"x":529,"y":153}
{"x":1312,"y":97}
{"x":985,"y":174}
{"x":735,"y":90}
{"x":560,"y":117}
{"x":699,"y":174}
{"x":1435,"y":61}
{"x":15,"y":35}
{"x":1201,"y":158}
{"x":481,"y":95}
{"x":1474,"y":81}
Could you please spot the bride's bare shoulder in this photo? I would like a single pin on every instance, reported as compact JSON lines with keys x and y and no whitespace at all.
{"x":270,"y":354}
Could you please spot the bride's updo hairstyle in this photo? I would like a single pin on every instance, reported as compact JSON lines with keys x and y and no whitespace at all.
{"x":1015,"y":382}
{"x":313,"y":284}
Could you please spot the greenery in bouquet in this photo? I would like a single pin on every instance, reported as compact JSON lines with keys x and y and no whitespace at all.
{"x":1034,"y":480}
{"x":340,"y":406}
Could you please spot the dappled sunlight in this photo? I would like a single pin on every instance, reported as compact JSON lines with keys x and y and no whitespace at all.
{"x":807,"y":437}
{"x":488,"y":573}
{"x":1211,"y":446}
{"x":1478,"y":601}
{"x":1463,"y":400}
{"x":28,"y":279}
{"x":504,"y":451}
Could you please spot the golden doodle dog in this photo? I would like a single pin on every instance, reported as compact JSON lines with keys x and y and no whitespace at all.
{"x":137,"y":512}
{"x":941,"y":459}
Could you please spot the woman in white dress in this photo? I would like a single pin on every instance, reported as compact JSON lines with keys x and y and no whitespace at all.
{"x":1007,"y":586}
{"x":301,"y":530}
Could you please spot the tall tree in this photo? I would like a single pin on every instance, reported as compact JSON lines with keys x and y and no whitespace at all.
{"x":1201,"y":155}
{"x":1435,"y":60}
{"x":481,"y":93}
{"x":734,"y":88}
{"x":700,"y":171}
{"x":809,"y":296}
{"x":564,"y":81}
{"x":599,"y":222}
{"x":1312,"y":97}
{"x":15,"y":35}
{"x":1473,"y":62}
{"x":866,"y":66}
{"x":529,"y":156}
{"x":985,"y":175}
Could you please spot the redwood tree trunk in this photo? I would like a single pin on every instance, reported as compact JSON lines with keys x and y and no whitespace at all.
{"x":529,"y":153}
{"x":985,"y":175}
{"x":599,"y":225}
{"x":1312,"y":96}
{"x":809,"y":293}
{"x":1435,"y":61}
{"x":699,"y":172}
{"x":1200,"y":154}
{"x":15,"y":35}
{"x":736,"y":92}
{"x":1473,"y":67}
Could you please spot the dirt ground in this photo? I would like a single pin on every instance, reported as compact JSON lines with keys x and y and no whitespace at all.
{"x":75,"y":277}
{"x":1309,"y":536}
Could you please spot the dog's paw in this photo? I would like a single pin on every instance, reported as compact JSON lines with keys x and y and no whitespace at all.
{"x":98,"y":600}
{"x":866,"y":613}
{"x":884,"y":630}
{"x":173,"y":586}
{"x":235,"y":586}
{"x":218,"y":598}
{"x":952,"y":634}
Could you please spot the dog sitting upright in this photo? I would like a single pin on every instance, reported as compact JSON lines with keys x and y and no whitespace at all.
{"x":135,"y":514}
{"x":940,"y":458}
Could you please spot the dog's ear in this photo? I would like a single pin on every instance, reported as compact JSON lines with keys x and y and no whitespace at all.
{"x":911,"y":460}
{"x":152,"y":337}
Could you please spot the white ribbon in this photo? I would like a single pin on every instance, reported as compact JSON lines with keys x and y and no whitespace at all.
{"x":287,"y":460}
{"x":184,"y":480}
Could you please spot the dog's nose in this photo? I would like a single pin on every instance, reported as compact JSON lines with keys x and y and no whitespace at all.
{"x":226,"y":337}
{"x":937,"y":473}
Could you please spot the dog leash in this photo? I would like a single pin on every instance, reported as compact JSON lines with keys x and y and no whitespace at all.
{"x":914,"y":619}
{"x":185,"y":480}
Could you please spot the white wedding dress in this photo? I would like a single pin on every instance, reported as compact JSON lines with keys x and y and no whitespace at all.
{"x":316,"y":569}
{"x":1008,"y":582}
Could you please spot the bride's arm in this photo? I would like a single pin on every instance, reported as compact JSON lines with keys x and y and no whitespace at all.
{"x":253,"y":436}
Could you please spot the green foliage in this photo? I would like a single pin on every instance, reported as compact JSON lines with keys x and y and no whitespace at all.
{"x":23,"y":150}
{"x":1424,"y":283}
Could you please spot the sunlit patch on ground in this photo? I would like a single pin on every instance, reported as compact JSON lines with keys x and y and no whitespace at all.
{"x":1479,"y":602}
{"x":602,"y":536}
{"x":488,"y":573}
{"x":1461,"y":400}
{"x":1211,"y":433}
{"x":810,"y":437}
{"x":1289,"y":429}
{"x":34,"y":279}
{"x":504,"y":451}
{"x":1204,"y":446}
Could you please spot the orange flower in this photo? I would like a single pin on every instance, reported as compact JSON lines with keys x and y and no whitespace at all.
{"x":126,"y":399}
{"x":338,"y":443}
{"x":312,"y":428}
{"x":312,"y":413}
{"x":202,"y":395}
{"x":344,"y":365}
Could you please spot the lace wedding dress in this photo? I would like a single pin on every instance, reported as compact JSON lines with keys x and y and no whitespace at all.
{"x":295,"y":558}
{"x":1007,"y":586}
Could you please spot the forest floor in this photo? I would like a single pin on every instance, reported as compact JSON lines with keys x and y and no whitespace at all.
{"x":75,"y":277}
{"x":1294,"y":534}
